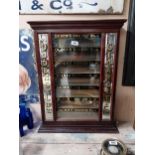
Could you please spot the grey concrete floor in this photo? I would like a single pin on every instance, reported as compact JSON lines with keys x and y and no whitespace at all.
{"x":72,"y":143}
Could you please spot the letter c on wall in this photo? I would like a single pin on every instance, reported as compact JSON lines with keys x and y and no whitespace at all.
{"x":54,"y":4}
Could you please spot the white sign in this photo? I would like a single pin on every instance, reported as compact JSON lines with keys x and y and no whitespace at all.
{"x":74,"y":43}
{"x":71,"y":6}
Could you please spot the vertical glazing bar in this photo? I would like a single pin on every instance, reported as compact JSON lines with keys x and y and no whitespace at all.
{"x":51,"y":63}
{"x":102,"y":55}
{"x":36,"y":40}
{"x":114,"y":77}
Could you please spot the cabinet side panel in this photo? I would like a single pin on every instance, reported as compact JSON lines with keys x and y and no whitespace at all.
{"x":45,"y":76}
{"x":109,"y":74}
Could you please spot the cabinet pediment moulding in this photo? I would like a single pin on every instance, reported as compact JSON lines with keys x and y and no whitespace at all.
{"x":99,"y":24}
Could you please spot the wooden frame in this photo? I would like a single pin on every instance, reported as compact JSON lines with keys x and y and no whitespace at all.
{"x":79,"y":27}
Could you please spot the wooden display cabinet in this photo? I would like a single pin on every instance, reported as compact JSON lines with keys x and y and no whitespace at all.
{"x":77,"y":66}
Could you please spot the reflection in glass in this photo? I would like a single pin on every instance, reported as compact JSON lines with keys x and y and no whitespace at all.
{"x":77,"y":72}
{"x":43,"y":46}
{"x":110,"y":46}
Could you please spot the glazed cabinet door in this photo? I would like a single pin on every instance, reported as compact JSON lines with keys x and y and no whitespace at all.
{"x":77,"y":76}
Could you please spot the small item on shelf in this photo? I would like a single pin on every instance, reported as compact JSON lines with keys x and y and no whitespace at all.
{"x":92,"y":36}
{"x":92,"y":65}
{"x":77,"y":101}
{"x":74,"y":43}
{"x":68,"y":100}
{"x":90,"y":101}
{"x":65,"y":87}
{"x":92,"y":78}
{"x":85,"y":100}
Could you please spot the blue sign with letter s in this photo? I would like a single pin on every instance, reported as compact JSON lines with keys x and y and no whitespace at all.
{"x":28,"y":83}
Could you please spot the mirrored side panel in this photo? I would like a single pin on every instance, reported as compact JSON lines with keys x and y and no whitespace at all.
{"x":110,"y":46}
{"x":44,"y":58}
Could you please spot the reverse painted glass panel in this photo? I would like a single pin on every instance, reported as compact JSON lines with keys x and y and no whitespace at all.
{"x":110,"y":46}
{"x":43,"y":46}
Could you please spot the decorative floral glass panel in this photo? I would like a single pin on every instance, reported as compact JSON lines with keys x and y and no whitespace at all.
{"x":43,"y":45}
{"x":110,"y":46}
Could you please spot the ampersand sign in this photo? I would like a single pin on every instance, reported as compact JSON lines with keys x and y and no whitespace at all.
{"x":36,"y":5}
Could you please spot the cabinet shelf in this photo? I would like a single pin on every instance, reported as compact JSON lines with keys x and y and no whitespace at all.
{"x":65,"y":92}
{"x":76,"y":116}
{"x":76,"y":58}
{"x":77,"y":105}
{"x":78,"y":70}
{"x":79,"y":82}
{"x":79,"y":42}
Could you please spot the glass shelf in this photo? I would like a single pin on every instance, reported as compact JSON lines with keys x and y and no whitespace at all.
{"x":78,"y":70}
{"x":76,"y":58}
{"x":77,"y":116}
{"x":65,"y":81}
{"x":83,"y":104}
{"x":66,"y":92}
{"x":73,"y":107}
{"x":80,"y":41}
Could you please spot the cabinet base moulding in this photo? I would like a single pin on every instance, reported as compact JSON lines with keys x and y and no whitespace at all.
{"x":79,"y":128}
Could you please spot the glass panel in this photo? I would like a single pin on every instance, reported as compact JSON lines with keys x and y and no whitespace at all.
{"x":77,"y":72}
{"x":110,"y":46}
{"x":43,"y":46}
